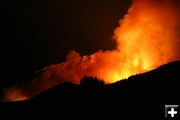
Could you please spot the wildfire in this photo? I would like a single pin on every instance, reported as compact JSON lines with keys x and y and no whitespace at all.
{"x":15,"y":94}
{"x":147,"y":37}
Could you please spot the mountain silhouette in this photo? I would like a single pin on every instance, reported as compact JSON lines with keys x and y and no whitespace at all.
{"x":161,"y":83}
{"x":148,"y":91}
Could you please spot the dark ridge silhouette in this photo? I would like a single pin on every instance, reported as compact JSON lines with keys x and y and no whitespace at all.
{"x":160,"y":83}
{"x":91,"y":86}
{"x":64,"y":89}
{"x":148,"y":91}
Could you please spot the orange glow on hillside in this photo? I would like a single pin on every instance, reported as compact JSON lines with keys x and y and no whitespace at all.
{"x":15,"y":94}
{"x":147,"y":37}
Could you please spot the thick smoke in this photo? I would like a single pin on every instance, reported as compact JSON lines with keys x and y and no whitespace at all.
{"x":147,"y":37}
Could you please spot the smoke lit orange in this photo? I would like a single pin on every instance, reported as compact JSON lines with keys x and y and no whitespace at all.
{"x":147,"y":37}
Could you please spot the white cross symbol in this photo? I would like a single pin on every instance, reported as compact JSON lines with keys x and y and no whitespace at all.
{"x":172,"y":112}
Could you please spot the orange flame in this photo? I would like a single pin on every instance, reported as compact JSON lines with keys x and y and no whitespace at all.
{"x":15,"y":94}
{"x":147,"y":37}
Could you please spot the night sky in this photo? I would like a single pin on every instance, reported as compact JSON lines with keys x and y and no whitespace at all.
{"x":38,"y":33}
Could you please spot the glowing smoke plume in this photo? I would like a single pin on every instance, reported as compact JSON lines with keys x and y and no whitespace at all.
{"x":147,"y":37}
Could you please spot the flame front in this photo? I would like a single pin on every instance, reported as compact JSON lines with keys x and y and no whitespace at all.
{"x":147,"y":37}
{"x":15,"y":94}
